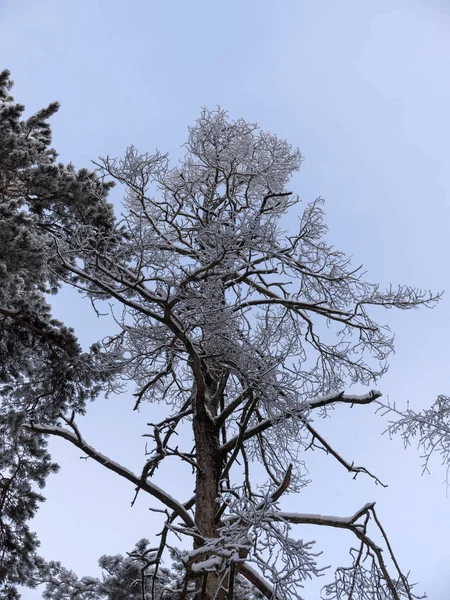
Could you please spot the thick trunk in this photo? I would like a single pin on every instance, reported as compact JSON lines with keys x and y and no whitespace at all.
{"x":209,"y":462}
{"x":209,"y":470}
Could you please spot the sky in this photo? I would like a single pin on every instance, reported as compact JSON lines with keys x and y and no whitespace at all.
{"x":362,"y":88}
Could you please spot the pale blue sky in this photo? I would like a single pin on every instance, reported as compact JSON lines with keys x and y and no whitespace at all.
{"x":363,"y":89}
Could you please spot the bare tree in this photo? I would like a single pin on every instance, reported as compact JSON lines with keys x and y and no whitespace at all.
{"x":246,"y":332}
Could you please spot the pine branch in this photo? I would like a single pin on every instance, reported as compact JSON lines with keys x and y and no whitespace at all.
{"x":146,"y":486}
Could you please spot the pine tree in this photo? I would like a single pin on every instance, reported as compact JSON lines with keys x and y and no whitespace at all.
{"x":244,"y":331}
{"x":130,"y":577}
{"x":43,"y":371}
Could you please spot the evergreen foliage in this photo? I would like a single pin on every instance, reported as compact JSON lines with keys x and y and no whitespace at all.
{"x":43,"y":371}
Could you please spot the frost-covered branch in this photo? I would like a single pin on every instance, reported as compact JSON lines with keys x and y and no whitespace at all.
{"x":146,"y":485}
{"x":430,"y":427}
{"x":324,"y":445}
{"x":397,"y":589}
{"x":300,"y":413}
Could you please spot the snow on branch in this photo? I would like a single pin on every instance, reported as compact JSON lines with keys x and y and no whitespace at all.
{"x":300,"y":413}
{"x":430,"y":427}
{"x":397,"y":588}
{"x":75,"y":438}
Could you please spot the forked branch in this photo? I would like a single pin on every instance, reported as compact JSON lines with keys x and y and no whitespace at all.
{"x":146,"y":486}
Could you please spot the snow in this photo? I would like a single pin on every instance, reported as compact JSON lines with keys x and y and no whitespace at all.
{"x":210,"y":564}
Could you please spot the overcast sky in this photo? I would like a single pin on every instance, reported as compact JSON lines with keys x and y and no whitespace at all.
{"x":363,"y":89}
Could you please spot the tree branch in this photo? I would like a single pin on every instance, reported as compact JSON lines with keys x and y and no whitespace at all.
{"x":257,"y":581}
{"x":148,"y":487}
{"x":299,"y":414}
{"x":330,"y":450}
{"x":350,"y":523}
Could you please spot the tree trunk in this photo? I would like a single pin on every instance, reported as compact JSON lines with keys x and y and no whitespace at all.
{"x":209,"y":461}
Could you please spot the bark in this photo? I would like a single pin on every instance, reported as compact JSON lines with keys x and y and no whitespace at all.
{"x":210,"y":465}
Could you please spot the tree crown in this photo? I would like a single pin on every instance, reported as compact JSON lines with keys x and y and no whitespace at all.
{"x":244,"y":330}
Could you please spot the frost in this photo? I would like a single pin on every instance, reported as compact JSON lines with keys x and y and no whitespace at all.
{"x":243,"y":330}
